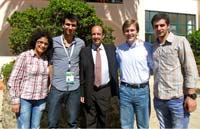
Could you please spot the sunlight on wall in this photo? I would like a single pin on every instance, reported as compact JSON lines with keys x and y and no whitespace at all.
{"x":6,"y":10}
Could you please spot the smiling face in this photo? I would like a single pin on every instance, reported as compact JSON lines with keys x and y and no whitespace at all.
{"x":97,"y":35}
{"x":130,"y":30}
{"x":69,"y":27}
{"x":161,"y":29}
{"x":41,"y":46}
{"x":130,"y":33}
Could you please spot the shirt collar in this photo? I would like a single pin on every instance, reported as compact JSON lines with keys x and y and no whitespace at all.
{"x":33,"y":54}
{"x":73,"y":42}
{"x":94,"y":47}
{"x":169,"y":40}
{"x":136,"y":42}
{"x":170,"y":37}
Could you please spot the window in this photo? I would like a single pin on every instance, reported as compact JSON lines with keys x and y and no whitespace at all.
{"x":181,"y":24}
{"x":105,"y":1}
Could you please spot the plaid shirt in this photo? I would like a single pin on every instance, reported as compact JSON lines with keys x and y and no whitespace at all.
{"x":29,"y":78}
{"x":174,"y":68}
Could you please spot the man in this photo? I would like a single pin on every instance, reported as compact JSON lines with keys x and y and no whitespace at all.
{"x":135,"y":61}
{"x":65,"y":74}
{"x":98,"y":79}
{"x":175,"y":76}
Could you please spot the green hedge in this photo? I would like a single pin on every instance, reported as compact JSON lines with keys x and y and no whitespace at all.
{"x":49,"y":18}
{"x":194,"y":39}
{"x":6,"y":70}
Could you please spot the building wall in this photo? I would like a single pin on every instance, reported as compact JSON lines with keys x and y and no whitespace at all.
{"x":198,"y":13}
{"x":175,"y":6}
{"x":112,"y":15}
{"x":7,"y":7}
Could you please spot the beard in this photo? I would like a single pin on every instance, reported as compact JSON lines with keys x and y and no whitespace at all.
{"x":162,"y":34}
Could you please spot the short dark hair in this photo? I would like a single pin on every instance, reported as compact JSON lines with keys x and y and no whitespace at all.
{"x":128,"y":23}
{"x":37,"y":34}
{"x":71,"y":17}
{"x":160,"y":16}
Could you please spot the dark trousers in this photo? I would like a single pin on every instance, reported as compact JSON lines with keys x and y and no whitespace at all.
{"x":97,"y":113}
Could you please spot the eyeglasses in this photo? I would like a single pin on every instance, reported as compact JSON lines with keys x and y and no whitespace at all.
{"x":42,"y":43}
{"x":68,"y":24}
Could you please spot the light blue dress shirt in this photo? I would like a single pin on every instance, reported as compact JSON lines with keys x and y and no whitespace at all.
{"x":135,"y":62}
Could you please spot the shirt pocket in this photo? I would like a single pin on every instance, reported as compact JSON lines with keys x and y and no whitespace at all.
{"x":169,"y":59}
{"x":32,"y":68}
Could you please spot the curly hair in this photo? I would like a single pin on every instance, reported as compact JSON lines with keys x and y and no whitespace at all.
{"x":37,"y":34}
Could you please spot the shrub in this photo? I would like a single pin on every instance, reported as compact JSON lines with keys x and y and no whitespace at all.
{"x":6,"y":70}
{"x":49,"y":18}
{"x":194,"y":39}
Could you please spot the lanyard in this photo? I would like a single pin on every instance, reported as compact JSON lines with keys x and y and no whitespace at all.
{"x":68,"y":56}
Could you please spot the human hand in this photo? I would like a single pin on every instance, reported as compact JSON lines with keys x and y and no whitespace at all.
{"x":49,"y":88}
{"x":190,"y":104}
{"x":16,"y":108}
{"x":82,"y":99}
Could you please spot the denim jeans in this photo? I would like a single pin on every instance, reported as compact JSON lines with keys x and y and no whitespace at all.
{"x":30,"y":113}
{"x":55,"y":101}
{"x":171,"y":113}
{"x":134,"y":102}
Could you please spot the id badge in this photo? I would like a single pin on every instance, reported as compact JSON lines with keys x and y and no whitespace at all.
{"x":70,"y":77}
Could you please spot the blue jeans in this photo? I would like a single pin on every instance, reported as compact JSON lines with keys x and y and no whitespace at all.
{"x":171,"y":113}
{"x":134,"y":101}
{"x":30,"y":113}
{"x":55,"y":101}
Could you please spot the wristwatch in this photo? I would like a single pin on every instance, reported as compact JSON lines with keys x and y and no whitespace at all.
{"x":192,"y":96}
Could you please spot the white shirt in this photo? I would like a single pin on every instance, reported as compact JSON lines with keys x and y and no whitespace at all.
{"x":104,"y":66}
{"x":135,"y":62}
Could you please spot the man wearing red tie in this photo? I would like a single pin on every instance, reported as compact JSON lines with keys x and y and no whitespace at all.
{"x":98,"y":79}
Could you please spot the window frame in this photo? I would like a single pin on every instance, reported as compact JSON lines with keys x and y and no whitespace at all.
{"x":179,"y":25}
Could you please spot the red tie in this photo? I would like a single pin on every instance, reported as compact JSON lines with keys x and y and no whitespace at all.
{"x":98,"y":68}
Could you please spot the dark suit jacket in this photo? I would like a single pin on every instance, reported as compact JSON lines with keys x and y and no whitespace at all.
{"x":87,"y":76}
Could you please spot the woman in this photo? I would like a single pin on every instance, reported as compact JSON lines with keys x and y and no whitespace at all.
{"x":28,"y":82}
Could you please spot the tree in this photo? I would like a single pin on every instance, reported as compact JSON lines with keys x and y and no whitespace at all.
{"x":49,"y":18}
{"x":194,"y":39}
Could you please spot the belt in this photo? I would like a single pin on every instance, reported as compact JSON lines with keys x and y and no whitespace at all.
{"x":142,"y":85}
{"x":101,"y":87}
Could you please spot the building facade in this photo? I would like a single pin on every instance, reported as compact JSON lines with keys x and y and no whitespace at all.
{"x":184,"y":15}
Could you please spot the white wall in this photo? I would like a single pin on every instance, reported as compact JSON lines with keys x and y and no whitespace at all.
{"x":180,"y":6}
{"x":141,"y":19}
{"x":4,"y":5}
{"x":175,"y":6}
{"x":5,"y":11}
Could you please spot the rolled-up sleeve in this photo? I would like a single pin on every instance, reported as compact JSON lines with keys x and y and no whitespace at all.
{"x":189,"y":67}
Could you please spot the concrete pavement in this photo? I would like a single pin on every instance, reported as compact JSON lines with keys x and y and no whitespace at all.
{"x":194,"y":120}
